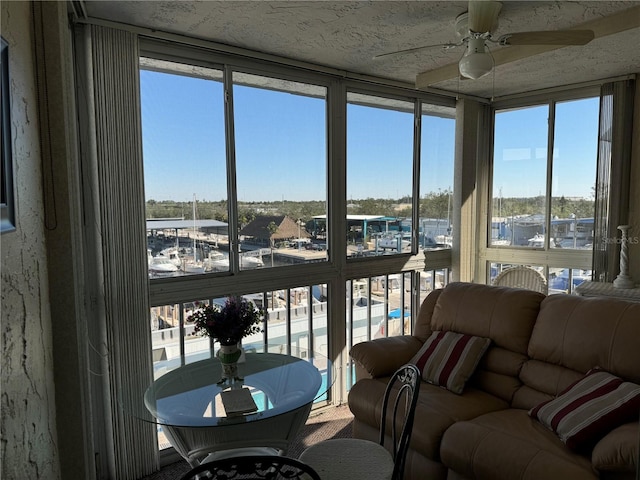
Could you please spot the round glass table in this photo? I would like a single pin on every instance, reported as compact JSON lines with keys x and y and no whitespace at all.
{"x":187,"y":402}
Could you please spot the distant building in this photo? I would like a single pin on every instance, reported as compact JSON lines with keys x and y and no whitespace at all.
{"x":258,"y":232}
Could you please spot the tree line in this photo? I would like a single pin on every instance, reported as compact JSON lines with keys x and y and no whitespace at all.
{"x":561,"y":207}
{"x":432,"y":205}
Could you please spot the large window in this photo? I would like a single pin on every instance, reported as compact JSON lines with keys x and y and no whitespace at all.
{"x":271,"y":136}
{"x":243,"y":174}
{"x":279,"y":147}
{"x":539,"y":203}
{"x":381,"y":149}
{"x":542,"y":191}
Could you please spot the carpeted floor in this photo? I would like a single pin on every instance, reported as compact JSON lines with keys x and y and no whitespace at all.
{"x":325,"y":423}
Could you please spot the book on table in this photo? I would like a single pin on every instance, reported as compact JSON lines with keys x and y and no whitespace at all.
{"x":238,"y":401}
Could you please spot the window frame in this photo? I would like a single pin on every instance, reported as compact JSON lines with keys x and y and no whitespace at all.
{"x":338,"y":270}
{"x":171,"y":290}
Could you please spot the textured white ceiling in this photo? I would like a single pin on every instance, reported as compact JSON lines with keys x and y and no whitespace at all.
{"x":347,"y":34}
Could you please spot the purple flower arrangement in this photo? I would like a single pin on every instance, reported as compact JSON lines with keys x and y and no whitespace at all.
{"x":228,"y":324}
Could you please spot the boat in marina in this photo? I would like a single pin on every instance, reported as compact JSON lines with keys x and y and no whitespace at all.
{"x":161,"y":266}
{"x":172,"y":254}
{"x":251,"y":260}
{"x":191,"y":264}
{"x":216,"y":261}
{"x":393,"y":241}
{"x":537,"y":241}
{"x":190,"y":259}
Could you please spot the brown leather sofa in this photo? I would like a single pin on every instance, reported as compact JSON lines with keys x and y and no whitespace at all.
{"x":539,"y":346}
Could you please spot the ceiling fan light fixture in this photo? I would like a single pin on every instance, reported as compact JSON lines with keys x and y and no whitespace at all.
{"x":477,"y":62}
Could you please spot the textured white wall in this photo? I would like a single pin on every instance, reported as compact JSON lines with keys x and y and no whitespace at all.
{"x":29,"y":437}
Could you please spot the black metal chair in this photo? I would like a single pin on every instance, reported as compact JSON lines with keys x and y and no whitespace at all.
{"x":358,"y":459}
{"x":267,"y":467}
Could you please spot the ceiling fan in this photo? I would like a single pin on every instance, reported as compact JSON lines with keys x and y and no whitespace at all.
{"x":475,"y":27}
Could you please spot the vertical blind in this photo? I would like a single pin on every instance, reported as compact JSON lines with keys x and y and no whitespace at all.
{"x":612,"y":181}
{"x":121,"y":328}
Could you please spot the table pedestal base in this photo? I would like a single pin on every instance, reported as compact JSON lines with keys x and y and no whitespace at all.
{"x":275,"y":433}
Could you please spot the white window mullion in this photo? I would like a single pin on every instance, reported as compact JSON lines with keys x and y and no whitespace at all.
{"x":337,"y":226}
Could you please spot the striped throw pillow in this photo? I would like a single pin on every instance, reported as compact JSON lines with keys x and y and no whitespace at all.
{"x":448,"y":359}
{"x":589,"y":408}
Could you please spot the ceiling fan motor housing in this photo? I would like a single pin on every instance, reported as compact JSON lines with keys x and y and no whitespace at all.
{"x":461,"y":26}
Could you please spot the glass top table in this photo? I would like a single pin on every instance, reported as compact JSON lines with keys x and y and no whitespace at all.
{"x":186,"y":401}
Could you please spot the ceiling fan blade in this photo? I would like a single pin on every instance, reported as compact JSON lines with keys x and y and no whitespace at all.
{"x":437,"y":75}
{"x":483,"y":15}
{"x":416,"y":49}
{"x":602,"y":27}
{"x":553,"y":37}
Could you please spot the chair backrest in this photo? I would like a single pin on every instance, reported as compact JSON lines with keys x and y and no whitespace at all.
{"x":522,"y":277}
{"x":405,"y":386}
{"x":271,"y":467}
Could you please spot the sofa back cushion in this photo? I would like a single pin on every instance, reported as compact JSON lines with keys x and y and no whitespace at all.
{"x":571,"y":336}
{"x":504,"y":315}
{"x":422,"y":328}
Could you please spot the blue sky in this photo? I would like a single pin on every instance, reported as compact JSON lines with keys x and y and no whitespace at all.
{"x":281,"y":146}
{"x":183,"y":141}
{"x":521,"y":143}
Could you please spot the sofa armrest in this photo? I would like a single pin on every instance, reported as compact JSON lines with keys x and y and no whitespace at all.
{"x":619,"y":450}
{"x":383,"y":356}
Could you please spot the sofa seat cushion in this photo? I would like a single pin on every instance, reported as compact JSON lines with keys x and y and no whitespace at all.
{"x":510,"y":445}
{"x":437,"y":410}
